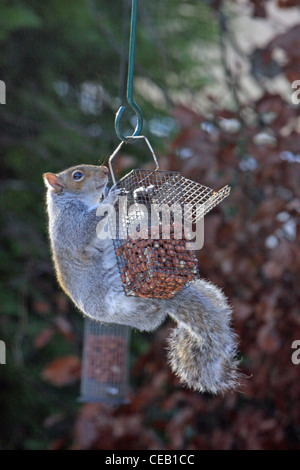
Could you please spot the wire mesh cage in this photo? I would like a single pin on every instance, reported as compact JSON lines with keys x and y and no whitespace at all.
{"x":104,"y":376}
{"x":198,"y":199}
{"x":151,"y":241}
{"x":150,"y":246}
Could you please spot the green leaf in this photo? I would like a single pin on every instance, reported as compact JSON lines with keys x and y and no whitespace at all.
{"x":17,"y":17}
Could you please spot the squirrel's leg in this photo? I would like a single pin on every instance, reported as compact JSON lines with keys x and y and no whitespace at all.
{"x":202,"y":348}
{"x":101,"y":296}
{"x":143,"y":314}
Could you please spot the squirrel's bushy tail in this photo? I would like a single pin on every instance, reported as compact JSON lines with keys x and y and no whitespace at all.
{"x":202,"y":348}
{"x":198,"y":366}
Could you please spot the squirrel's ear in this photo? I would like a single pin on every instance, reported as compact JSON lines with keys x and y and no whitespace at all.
{"x":53,"y":181}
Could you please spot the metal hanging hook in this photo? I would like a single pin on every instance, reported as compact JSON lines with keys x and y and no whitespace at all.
{"x":118,"y":149}
{"x":129,"y":97}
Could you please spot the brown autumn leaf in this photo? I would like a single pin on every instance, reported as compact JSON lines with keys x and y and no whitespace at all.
{"x":272,"y":103}
{"x":211,"y":225}
{"x":62,"y":371}
{"x":259,"y":10}
{"x":64,"y":327}
{"x":268,"y":209}
{"x":186,"y":117}
{"x":242,"y":310}
{"x":288,"y":3}
{"x":286,"y":255}
{"x":62,"y":302}
{"x":289,"y":41}
{"x":43,"y":338}
{"x":268,"y":339}
{"x":272,"y":269}
{"x":41,"y":307}
{"x":291,"y":71}
{"x":86,"y":430}
{"x":57,"y":444}
{"x":184,"y":417}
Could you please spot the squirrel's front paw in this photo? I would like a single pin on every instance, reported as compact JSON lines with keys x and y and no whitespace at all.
{"x":113,"y":195}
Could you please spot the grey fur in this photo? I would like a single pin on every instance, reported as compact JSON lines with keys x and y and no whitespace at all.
{"x":202,"y":346}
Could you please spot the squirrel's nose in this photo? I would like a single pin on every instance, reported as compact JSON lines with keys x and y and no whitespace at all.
{"x":104,"y":170}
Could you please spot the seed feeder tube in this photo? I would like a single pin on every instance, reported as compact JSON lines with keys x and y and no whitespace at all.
{"x":104,"y":376}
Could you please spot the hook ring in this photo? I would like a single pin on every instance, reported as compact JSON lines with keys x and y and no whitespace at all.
{"x":139,"y":124}
{"x":130,"y":99}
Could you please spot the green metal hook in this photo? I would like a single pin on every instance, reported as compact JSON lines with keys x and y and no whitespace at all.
{"x":130,"y":100}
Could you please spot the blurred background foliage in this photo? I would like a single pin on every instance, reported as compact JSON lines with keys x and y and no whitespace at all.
{"x":65,"y":69}
{"x":65,"y":64}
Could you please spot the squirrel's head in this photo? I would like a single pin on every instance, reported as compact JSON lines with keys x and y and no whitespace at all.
{"x":88,"y":182}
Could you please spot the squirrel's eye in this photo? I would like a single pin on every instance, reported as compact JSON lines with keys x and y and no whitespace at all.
{"x":77,"y":175}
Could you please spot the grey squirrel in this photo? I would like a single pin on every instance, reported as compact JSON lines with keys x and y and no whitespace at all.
{"x":201,"y":349}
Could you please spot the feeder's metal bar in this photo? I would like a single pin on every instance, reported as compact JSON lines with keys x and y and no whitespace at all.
{"x":119,"y":148}
{"x":130,"y":99}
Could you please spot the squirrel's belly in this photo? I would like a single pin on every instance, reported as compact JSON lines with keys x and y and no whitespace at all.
{"x":88,"y":284}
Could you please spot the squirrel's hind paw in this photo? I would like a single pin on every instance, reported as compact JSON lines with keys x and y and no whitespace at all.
{"x":197,"y":365}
